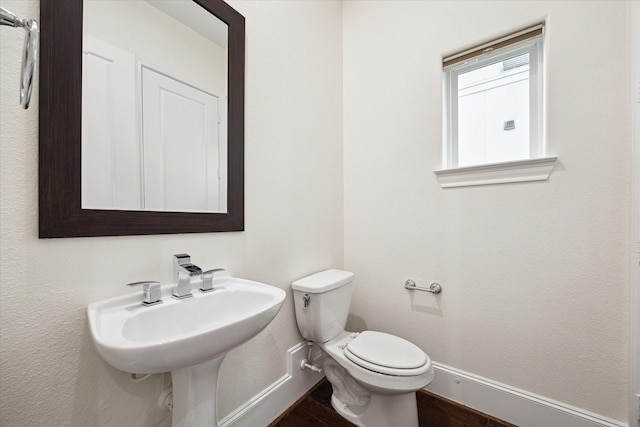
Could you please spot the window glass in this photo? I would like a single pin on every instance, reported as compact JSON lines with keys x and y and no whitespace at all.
{"x":493,"y":112}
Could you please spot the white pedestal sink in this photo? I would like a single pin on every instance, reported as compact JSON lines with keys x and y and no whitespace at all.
{"x":187,"y":337}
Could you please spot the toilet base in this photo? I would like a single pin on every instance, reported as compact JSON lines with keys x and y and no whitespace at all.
{"x":370,"y":399}
{"x":381,"y":411}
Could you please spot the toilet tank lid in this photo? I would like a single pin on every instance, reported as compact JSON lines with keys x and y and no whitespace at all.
{"x":323,"y":281}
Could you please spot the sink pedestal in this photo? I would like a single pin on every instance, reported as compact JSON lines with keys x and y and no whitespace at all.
{"x":194,"y":394}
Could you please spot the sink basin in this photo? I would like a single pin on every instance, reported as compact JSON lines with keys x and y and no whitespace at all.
{"x":188,"y":337}
{"x":179,"y":333}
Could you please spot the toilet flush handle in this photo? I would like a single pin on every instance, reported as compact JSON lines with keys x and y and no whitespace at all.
{"x":306,"y":299}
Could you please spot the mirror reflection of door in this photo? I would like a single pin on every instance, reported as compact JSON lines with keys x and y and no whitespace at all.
{"x":180,"y":145}
{"x":110,"y":146}
{"x":154,"y":107}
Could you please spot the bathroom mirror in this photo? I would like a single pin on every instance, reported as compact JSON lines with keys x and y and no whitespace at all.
{"x":153,"y":106}
{"x":64,"y":210}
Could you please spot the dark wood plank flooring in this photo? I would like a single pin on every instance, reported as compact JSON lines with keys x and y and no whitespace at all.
{"x":314,"y":409}
{"x":436,"y":411}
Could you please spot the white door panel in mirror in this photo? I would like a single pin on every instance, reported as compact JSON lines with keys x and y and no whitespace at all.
{"x":111,"y":152}
{"x":180,"y":146}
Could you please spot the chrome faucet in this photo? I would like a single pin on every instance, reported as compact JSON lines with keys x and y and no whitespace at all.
{"x":185,"y":274}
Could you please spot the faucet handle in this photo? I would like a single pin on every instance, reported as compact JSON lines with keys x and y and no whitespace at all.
{"x":151,"y":294}
{"x":207,"y":279}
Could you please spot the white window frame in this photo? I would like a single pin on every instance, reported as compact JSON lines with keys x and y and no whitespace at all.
{"x":537,"y":167}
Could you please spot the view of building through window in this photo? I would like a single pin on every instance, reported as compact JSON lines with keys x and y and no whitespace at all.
{"x":493,"y":112}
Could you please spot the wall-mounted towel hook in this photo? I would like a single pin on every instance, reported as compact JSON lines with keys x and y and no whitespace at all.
{"x":29,"y":52}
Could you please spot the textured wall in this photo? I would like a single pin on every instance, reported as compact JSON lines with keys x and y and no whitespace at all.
{"x":535,"y":275}
{"x":50,"y":373}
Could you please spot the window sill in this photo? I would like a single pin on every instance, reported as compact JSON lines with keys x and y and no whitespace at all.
{"x":497,"y":173}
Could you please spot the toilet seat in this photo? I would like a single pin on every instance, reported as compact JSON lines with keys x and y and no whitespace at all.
{"x":387,"y":354}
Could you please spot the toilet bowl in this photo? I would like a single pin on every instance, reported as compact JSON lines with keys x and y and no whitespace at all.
{"x":374,"y":375}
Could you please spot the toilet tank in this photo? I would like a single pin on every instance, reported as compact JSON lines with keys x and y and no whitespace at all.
{"x":322,"y":303}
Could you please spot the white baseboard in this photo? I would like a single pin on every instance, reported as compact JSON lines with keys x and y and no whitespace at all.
{"x":499,"y":400}
{"x":267,"y":405}
{"x":510,"y":404}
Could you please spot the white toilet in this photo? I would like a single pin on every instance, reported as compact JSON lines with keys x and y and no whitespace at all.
{"x":374,"y":375}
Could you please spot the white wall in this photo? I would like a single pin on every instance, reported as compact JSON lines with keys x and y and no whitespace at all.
{"x":634,"y":407}
{"x":535,"y":276}
{"x":50,"y":373}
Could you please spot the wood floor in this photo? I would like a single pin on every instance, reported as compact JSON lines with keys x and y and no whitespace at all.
{"x":436,"y":411}
{"x":315,"y":410}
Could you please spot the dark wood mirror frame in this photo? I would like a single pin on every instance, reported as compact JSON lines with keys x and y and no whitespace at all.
{"x":60,"y":205}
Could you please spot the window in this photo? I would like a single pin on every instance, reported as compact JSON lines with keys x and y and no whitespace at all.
{"x":493,"y":104}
